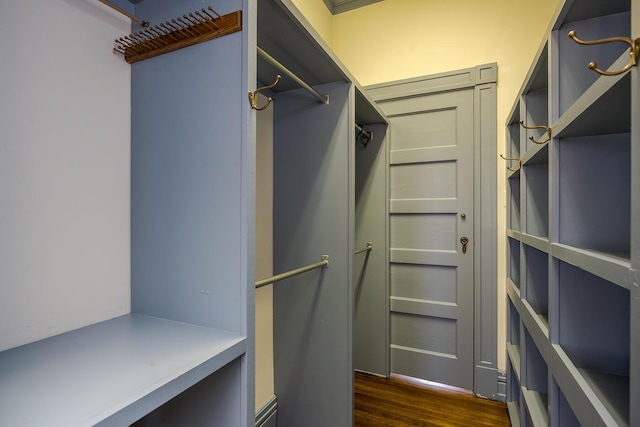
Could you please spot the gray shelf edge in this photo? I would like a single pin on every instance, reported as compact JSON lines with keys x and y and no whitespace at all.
{"x":539,"y":243}
{"x":513,"y":351}
{"x":530,"y":157}
{"x":538,"y":331}
{"x":599,"y":264}
{"x":590,"y":96}
{"x":514,"y":294}
{"x":584,"y":402}
{"x":136,"y":401}
{"x":537,"y":408}
{"x":514,"y":234}
{"x":513,"y":174}
{"x":514,"y":413}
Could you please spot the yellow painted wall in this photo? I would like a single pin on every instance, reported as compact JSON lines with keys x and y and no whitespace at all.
{"x":398,"y":39}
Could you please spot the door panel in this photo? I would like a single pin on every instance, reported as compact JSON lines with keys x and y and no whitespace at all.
{"x":431,"y":279}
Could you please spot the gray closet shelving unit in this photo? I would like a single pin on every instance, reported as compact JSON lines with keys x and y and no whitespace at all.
{"x":314,"y":214}
{"x":574,"y":226}
{"x":185,"y":355}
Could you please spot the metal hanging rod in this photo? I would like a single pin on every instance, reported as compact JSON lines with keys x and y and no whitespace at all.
{"x":324,"y":99}
{"x":368,"y":248}
{"x":363,"y":137}
{"x":125,"y":13}
{"x":322,"y":264}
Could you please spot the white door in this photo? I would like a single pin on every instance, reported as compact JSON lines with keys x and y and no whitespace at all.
{"x":431,"y":218}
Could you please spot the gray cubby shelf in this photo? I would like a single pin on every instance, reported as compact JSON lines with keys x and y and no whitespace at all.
{"x":602,"y":109}
{"x":109,"y":373}
{"x":594,"y":193}
{"x":514,"y":394}
{"x":513,"y":190}
{"x":576,"y":246}
{"x":566,"y":416}
{"x":594,"y":398}
{"x":513,"y":133}
{"x":536,"y":282}
{"x":593,"y":336}
{"x":535,"y":104}
{"x":609,"y":266}
{"x":591,"y":21}
{"x":536,"y":194}
{"x":513,"y":247}
{"x":513,"y":338}
{"x":535,"y":382}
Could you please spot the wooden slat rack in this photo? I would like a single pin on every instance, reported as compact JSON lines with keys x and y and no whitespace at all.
{"x":197,"y":27}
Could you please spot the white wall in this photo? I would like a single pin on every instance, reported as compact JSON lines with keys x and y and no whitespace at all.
{"x":64,"y":168}
{"x":398,"y":39}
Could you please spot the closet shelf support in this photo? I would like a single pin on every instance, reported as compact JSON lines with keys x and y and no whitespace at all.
{"x":322,"y":264}
{"x":324,"y":99}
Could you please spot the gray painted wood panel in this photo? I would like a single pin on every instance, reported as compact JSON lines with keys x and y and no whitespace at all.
{"x":433,"y":339}
{"x":370,"y":269}
{"x":187,"y":190}
{"x":313,"y":196}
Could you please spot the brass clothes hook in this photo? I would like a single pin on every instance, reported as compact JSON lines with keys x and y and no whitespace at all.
{"x":512,"y":159}
{"x":546,"y":128}
{"x":253,"y":96}
{"x":634,"y":52}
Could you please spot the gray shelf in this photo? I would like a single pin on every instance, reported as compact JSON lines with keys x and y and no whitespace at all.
{"x":109,"y":373}
{"x":595,"y":398}
{"x":566,"y":416}
{"x":612,"y":266}
{"x":537,"y":404}
{"x":536,"y":193}
{"x":595,"y":192}
{"x":574,"y":77}
{"x":602,"y":109}
{"x":537,"y":282}
{"x":513,"y":187}
{"x":513,"y":248}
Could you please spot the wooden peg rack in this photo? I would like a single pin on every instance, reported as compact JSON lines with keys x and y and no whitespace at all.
{"x":197,"y":27}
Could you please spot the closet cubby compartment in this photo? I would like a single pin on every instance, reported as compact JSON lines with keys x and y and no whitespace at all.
{"x":565,"y":415}
{"x":536,"y":105}
{"x":513,"y":190}
{"x":603,"y":109}
{"x":513,"y":337}
{"x":513,"y":247}
{"x":594,"y":336}
{"x":590,"y":21}
{"x":536,"y":282}
{"x":514,"y":395}
{"x":535,"y":383}
{"x":536,"y":193}
{"x":594,"y":194}
{"x":513,"y":135}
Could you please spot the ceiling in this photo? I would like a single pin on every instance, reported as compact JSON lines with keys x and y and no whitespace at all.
{"x":339,"y":6}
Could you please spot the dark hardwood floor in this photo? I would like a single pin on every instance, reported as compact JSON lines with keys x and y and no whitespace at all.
{"x":400,"y":401}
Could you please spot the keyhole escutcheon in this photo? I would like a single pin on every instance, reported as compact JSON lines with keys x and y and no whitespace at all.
{"x":464,"y":240}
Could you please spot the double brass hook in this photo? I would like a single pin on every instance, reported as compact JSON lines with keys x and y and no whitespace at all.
{"x":634,"y":52}
{"x":253,"y":96}
{"x":546,"y":128}
{"x":512,"y":159}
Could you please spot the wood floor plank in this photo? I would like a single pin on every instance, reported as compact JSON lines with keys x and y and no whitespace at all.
{"x":399,"y":402}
